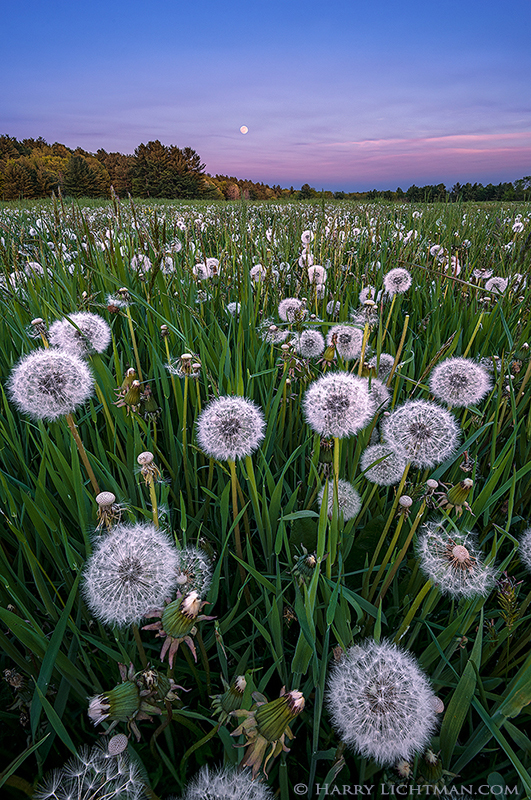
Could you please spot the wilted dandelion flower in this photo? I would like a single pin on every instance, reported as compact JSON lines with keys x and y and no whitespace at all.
{"x":131,"y":570}
{"x":230,"y":428}
{"x":94,"y":774}
{"x":49,"y":384}
{"x":309,"y":343}
{"x":226,"y":783}
{"x":348,"y":500}
{"x":422,"y":431}
{"x":497,"y":284}
{"x":194,"y":571}
{"x":82,"y":334}
{"x":347,"y":340}
{"x":525,"y":549}
{"x":291,"y":309}
{"x":381,"y":703}
{"x":459,"y":382}
{"x":397,"y":281}
{"x":452,"y":560}
{"x":338,"y":405}
{"x":386,"y":472}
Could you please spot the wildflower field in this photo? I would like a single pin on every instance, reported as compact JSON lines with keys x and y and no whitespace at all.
{"x":265,"y":484}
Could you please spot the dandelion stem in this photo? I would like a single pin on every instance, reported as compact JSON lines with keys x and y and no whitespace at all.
{"x":476,"y":329}
{"x":388,"y":318}
{"x":82,"y":452}
{"x":412,"y":611}
{"x":399,"y":351}
{"x":153,"y":498}
{"x":332,"y":545}
{"x":237,"y":539}
{"x":402,"y":553}
{"x":133,"y":339}
{"x":525,"y":381}
{"x":363,"y":347}
{"x":139,"y":646}
{"x":384,"y":532}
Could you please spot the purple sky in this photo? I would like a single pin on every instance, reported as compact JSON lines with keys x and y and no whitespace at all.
{"x":344,"y":95}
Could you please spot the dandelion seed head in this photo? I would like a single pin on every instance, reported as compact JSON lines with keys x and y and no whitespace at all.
{"x":380,"y":394}
{"x":381,"y":703}
{"x":383,"y":366}
{"x":369,"y":293}
{"x":309,"y":344}
{"x":497,"y":284}
{"x":333,"y":307}
{"x":423,"y":432}
{"x":81,"y":334}
{"x":459,"y":382}
{"x":347,"y":340}
{"x":194,"y":571}
{"x":230,"y":428}
{"x":131,"y":570}
{"x":386,"y":472}
{"x":397,"y":281}
{"x":525,"y":549}
{"x":338,"y":405}
{"x":291,"y":309}
{"x":48,"y":384}
{"x":226,"y":783}
{"x":348,"y":500}
{"x":233,"y":309}
{"x":317,"y":274}
{"x":141,"y":263}
{"x":453,"y":561}
{"x":271,"y":333}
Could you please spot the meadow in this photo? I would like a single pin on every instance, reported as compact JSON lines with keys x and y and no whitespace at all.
{"x":265,"y":484}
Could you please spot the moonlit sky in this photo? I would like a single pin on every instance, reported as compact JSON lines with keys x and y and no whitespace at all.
{"x":347,"y":94}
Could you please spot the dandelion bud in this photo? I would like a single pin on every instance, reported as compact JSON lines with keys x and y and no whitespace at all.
{"x":459,"y":493}
{"x":164,"y":330}
{"x":231,"y":699}
{"x":405,"y":501}
{"x":108,"y":511}
{"x":304,"y":567}
{"x":148,"y":469}
{"x":119,"y":703}
{"x":273,"y":718}
{"x":431,"y":484}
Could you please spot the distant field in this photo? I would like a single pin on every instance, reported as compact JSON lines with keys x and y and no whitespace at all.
{"x":264,"y":541}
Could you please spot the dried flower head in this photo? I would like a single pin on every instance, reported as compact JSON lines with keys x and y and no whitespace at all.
{"x":81,"y":334}
{"x":452,"y":560}
{"x":94,"y":774}
{"x":348,"y":500}
{"x":231,"y":699}
{"x":131,"y":570}
{"x":309,"y":344}
{"x":390,"y":466}
{"x":338,"y":405}
{"x":226,"y":783}
{"x":230,"y":428}
{"x":397,"y":281}
{"x":347,"y":340}
{"x":48,"y":384}
{"x":422,"y":431}
{"x":177,"y":624}
{"x":291,"y":309}
{"x":459,"y":382}
{"x":381,"y":703}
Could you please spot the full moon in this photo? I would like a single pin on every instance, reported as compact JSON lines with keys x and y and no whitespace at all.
{"x":244,"y":129}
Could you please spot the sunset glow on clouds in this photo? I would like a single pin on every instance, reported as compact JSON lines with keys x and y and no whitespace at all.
{"x":347,"y":95}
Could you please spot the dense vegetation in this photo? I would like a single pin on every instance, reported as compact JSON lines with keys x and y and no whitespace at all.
{"x":189,"y":294}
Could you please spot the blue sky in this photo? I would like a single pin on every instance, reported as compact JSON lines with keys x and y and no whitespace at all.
{"x":343,"y":95}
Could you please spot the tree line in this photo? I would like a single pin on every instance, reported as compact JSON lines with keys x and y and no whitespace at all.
{"x":32,"y":168}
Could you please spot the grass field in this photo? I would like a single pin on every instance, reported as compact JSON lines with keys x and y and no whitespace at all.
{"x":434,"y":559}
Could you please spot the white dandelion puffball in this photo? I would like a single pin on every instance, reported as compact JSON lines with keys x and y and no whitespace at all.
{"x":194,"y":571}
{"x":397,"y":281}
{"x":525,"y":549}
{"x":309,"y":343}
{"x":94,"y":774}
{"x":338,"y":404}
{"x":497,"y":284}
{"x":82,"y":334}
{"x":459,"y":382}
{"x":306,"y":237}
{"x":317,"y":274}
{"x":369,"y":293}
{"x":141,"y":263}
{"x":347,"y":340}
{"x":348,"y":500}
{"x":452,"y":560}
{"x":226,"y":783}
{"x":422,"y":431}
{"x":386,"y":472}
{"x":383,"y":365}
{"x":290,"y":309}
{"x":49,"y":384}
{"x":131,"y":570}
{"x":230,"y":428}
{"x":381,"y":703}
{"x":233,"y":309}
{"x":381,"y":396}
